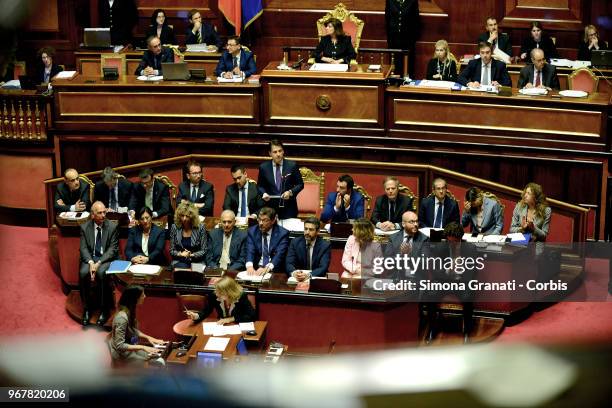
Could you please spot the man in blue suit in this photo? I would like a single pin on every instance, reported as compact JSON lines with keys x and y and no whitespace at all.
{"x":196,"y":190}
{"x":267,"y":244}
{"x":308,"y":255}
{"x":281,"y":179}
{"x":228,"y":245}
{"x":235,"y":61}
{"x":345,"y":204}
{"x":438,"y":209}
{"x":485,"y":70}
{"x":151,"y":62}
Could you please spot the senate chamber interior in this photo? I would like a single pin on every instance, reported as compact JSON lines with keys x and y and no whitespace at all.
{"x":289,"y":203}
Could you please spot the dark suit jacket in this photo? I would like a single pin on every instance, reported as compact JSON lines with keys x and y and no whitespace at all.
{"x":473,"y":71}
{"x":502,"y":42}
{"x":243,"y":310}
{"x":549,"y":76}
{"x":149,"y":60}
{"x":121,"y":19}
{"x":255,"y":202}
{"x":110,"y":241}
{"x":102,"y":193}
{"x":161,"y":198}
{"x":292,"y":181}
{"x":167,"y":34}
{"x":546,"y":44}
{"x":226,"y":63}
{"x":277,"y":243}
{"x":355,"y":210}
{"x":428,"y":210}
{"x":420,"y":247}
{"x":448,"y":72}
{"x":199,"y":243}
{"x":71,"y":197}
{"x":381,"y":209}
{"x":157,"y":241}
{"x":205,"y":194}
{"x":584,"y":54}
{"x":402,"y":23}
{"x":321,"y":255}
{"x":40,"y":72}
{"x":343,"y":49}
{"x":208,"y":33}
{"x":237,"y":250}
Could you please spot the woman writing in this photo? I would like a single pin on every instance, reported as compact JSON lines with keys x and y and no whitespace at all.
{"x":360,"y":250}
{"x":532,"y":213}
{"x":188,"y":238}
{"x":441,"y":67}
{"x":145,"y":244}
{"x":335,"y":47}
{"x":230,"y":302}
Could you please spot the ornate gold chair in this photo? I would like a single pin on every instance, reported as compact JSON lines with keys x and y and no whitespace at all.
{"x":367,"y":198}
{"x":583,"y":79}
{"x":113,"y":61}
{"x":173,"y":190}
{"x":405,"y":191}
{"x":311,"y":199}
{"x":87,"y":180}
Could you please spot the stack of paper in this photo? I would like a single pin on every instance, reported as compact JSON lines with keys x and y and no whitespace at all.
{"x":244,"y":276}
{"x":329,"y":67}
{"x":292,"y":224}
{"x":217,"y":344}
{"x":66,"y":75}
{"x":144,"y":269}
{"x":214,"y":329}
{"x":73,"y":215}
{"x":378,"y":231}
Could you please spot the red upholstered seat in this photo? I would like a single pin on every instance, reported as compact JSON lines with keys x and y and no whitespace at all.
{"x":311,"y":198}
{"x":583,"y":79}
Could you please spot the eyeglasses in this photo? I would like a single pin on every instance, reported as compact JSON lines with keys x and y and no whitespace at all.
{"x":412,"y":222}
{"x":232,"y":45}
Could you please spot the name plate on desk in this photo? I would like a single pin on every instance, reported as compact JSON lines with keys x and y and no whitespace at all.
{"x":329,"y":67}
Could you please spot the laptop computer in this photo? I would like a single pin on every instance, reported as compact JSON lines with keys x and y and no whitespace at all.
{"x":601,"y":58}
{"x":97,"y":37}
{"x":175,"y":71}
{"x":207,"y":359}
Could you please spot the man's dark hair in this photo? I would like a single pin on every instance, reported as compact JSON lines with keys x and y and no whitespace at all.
{"x":348,"y":180}
{"x":235,"y":38}
{"x":453,"y":230}
{"x":484,"y":44}
{"x":144,"y":173}
{"x":237,"y":167}
{"x":313,"y":220}
{"x":275,"y":142}
{"x":269,"y":211}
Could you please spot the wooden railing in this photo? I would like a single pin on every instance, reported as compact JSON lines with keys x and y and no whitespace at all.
{"x":24,"y":116}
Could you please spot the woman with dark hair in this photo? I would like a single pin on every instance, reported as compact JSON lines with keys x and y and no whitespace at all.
{"x":483,"y":214}
{"x":230,"y":302}
{"x":537,"y":39}
{"x":590,"y":42}
{"x":335,"y":47}
{"x":532,"y":214}
{"x":125,"y":335}
{"x":47,"y":69}
{"x":160,"y":28}
{"x":360,"y":250}
{"x":188,"y":237}
{"x":441,"y":67}
{"x":145,"y":244}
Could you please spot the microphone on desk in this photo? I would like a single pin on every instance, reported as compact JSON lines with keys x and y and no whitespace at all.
{"x":298,"y":63}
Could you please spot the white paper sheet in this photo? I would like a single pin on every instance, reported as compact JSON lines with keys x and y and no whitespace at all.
{"x":329,"y":67}
{"x":246,"y":326}
{"x":145,"y":269}
{"x":292,"y":224}
{"x":252,"y":278}
{"x":150,"y":78}
{"x":217,"y":344}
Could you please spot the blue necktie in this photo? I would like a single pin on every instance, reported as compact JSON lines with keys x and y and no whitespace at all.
{"x":98,"y":245}
{"x":235,"y":62}
{"x":279,"y":180}
{"x":194,"y":194}
{"x":438,"y":220}
{"x":244,"y":202}
{"x":113,"y":199}
{"x":265,"y":259}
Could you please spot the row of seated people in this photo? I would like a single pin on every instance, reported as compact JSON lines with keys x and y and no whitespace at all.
{"x":266,"y":247}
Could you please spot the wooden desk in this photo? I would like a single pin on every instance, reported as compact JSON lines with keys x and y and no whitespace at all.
{"x":476,"y":117}
{"x":324,"y":100}
{"x":90,"y":103}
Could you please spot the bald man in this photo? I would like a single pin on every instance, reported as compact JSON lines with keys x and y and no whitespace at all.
{"x":228,"y":244}
{"x":539,"y":74}
{"x":99,"y":247}
{"x":71,"y":194}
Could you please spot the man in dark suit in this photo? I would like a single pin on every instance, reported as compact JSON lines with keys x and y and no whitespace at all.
{"x":438,"y":209}
{"x":485,"y":70}
{"x":99,"y":247}
{"x":540,"y":74}
{"x":267,"y":244}
{"x":196,"y":190}
{"x":308,"y":255}
{"x":151,"y":193}
{"x":235,"y":61}
{"x":113,"y":191}
{"x":280,"y":177}
{"x":121,"y":16}
{"x":409,"y":242}
{"x":494,"y":37}
{"x":242,"y":196}
{"x":71,"y":194}
{"x":228,"y":245}
{"x":151,"y":62}
{"x":389,"y":208}
{"x":402,"y":26}
{"x":344,"y":204}
{"x":200,"y":32}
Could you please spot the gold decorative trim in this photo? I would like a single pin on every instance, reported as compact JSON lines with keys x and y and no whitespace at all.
{"x":323,"y":102}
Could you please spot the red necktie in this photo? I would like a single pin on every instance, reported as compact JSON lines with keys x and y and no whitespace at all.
{"x":537,"y":81}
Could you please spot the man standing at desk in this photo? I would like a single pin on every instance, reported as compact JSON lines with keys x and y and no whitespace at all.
{"x":267,"y":244}
{"x":113,"y":190}
{"x":308,"y":255}
{"x":279,"y":182}
{"x":484,"y":71}
{"x":242,"y":196}
{"x":99,"y":246}
{"x":228,"y":244}
{"x":151,"y":193}
{"x":153,"y":58}
{"x":235,"y":61}
{"x":345,"y":204}
{"x":196,"y":190}
{"x":71,"y":195}
{"x":540,"y":74}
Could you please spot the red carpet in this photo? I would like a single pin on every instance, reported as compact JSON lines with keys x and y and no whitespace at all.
{"x":32,"y":301}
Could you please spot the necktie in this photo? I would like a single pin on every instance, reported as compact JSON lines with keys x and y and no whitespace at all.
{"x":485,"y":75}
{"x":308,"y":260}
{"x":194,"y":194}
{"x":198,"y":37}
{"x":235,"y":62}
{"x":149,"y":198}
{"x":279,"y":180}
{"x":391,"y":210}
{"x":438,"y":220}
{"x":406,"y":247}
{"x":113,"y":199}
{"x":98,"y":245}
{"x":224,"y":261}
{"x":538,"y":80}
{"x":244,"y":202}
{"x":265,"y":258}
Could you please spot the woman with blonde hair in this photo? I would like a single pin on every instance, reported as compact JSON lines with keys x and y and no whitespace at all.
{"x":188,"y":238}
{"x":360,"y":250}
{"x":441,"y":67}
{"x":590,"y":42}
{"x":230,"y":301}
{"x":532,"y":214}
